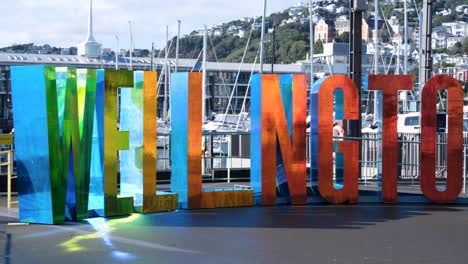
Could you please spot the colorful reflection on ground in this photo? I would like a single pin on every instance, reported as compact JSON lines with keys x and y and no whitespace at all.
{"x":104,"y":228}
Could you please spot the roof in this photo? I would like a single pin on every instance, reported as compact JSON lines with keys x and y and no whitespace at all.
{"x":139,"y":63}
{"x":343,"y":23}
{"x":338,"y":48}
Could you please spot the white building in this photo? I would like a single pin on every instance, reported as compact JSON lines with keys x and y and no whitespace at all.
{"x":443,"y":12}
{"x":439,"y":38}
{"x":439,"y":57}
{"x":241,"y":33}
{"x":457,"y":28}
{"x":394,"y":24}
{"x":452,"y":40}
{"x":331,"y":8}
{"x":342,"y":10}
{"x":335,"y":60}
{"x":217,"y":31}
{"x":462,"y":9}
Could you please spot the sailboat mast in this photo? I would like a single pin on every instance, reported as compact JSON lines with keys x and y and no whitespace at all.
{"x":262,"y":36}
{"x":376,"y":57}
{"x":397,"y":71}
{"x":177,"y":47}
{"x":205,"y":51}
{"x":311,"y":32}
{"x":166,"y":79}
{"x":116,"y":52}
{"x":405,"y":69}
{"x":131,"y":45}
{"x":152,"y":56}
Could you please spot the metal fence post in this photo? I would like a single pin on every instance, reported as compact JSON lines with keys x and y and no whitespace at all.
{"x":229,"y":160}
{"x":9,"y":179}
{"x":464,"y":169}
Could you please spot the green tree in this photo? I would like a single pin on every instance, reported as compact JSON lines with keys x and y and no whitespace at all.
{"x":318,"y":47}
{"x":343,"y":38}
{"x":415,"y":73}
{"x":456,"y":49}
{"x":465,"y":46}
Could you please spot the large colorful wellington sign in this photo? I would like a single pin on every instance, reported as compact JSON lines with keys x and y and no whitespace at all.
{"x":69,"y":141}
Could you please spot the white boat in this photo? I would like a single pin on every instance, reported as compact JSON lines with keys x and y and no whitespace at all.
{"x":229,"y":123}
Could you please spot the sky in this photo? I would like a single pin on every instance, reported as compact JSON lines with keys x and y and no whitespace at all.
{"x":63,"y":23}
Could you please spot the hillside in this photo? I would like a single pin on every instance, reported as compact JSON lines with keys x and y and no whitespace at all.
{"x":292,"y":40}
{"x":292,"y":31}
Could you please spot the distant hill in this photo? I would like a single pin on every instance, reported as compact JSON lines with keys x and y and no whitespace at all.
{"x":230,"y":39}
{"x":292,"y":31}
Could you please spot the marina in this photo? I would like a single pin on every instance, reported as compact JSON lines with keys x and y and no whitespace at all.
{"x":285,"y":135}
{"x":227,"y":91}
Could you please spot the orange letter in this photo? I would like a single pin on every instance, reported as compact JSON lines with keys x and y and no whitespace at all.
{"x":186,"y":149}
{"x":454,"y":139}
{"x":279,"y":118}
{"x":350,"y":191}
{"x":390,"y":85}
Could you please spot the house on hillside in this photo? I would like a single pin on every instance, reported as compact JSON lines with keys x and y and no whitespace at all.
{"x":331,"y":8}
{"x":439,"y":37}
{"x":457,"y":28}
{"x":443,"y":11}
{"x":295,"y":11}
{"x":452,"y":40}
{"x":462,"y":9}
{"x":342,"y":10}
{"x":415,"y":55}
{"x":324,"y":31}
{"x":439,"y":57}
{"x":233,"y":29}
{"x":459,"y":72}
{"x":370,"y":32}
{"x":342,"y":26}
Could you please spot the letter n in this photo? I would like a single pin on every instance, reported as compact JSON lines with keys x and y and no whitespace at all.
{"x":278,"y":139}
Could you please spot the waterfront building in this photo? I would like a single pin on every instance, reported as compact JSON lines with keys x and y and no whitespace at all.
{"x":221,"y":78}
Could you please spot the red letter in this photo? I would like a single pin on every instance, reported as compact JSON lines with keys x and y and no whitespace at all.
{"x":350,"y":149}
{"x":390,"y":85}
{"x":454,"y":139}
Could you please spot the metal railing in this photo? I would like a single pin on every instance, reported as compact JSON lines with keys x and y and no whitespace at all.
{"x":9,"y":166}
{"x":231,"y":151}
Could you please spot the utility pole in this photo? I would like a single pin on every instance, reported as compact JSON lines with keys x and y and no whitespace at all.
{"x":262,"y":36}
{"x":177,"y":47}
{"x":357,"y":8}
{"x":426,"y":63}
